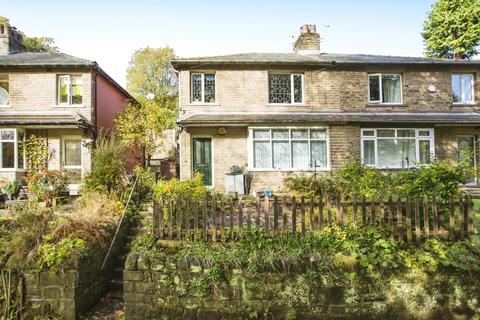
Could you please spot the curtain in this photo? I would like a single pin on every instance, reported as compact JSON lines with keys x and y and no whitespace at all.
{"x":391,"y":89}
{"x":396,"y":153}
{"x":369,"y":152}
{"x":281,"y":154}
{"x":261,"y":154}
{"x":300,"y":154}
{"x":319,"y":153}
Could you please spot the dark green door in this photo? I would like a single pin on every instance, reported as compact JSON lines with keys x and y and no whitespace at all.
{"x":202,"y":158}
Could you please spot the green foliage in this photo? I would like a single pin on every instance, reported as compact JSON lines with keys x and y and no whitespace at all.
{"x":12,"y":187}
{"x":310,"y":186}
{"x":194,"y":189}
{"x":150,"y":72}
{"x":441,"y":179}
{"x":54,"y":255}
{"x":356,"y":178}
{"x":40,"y":44}
{"x":142,"y":125}
{"x":47,"y":184}
{"x":107,"y":172}
{"x":453,"y":29}
{"x":37,"y":153}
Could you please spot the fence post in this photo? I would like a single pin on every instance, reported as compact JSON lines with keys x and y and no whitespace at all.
{"x":204,"y":219}
{"x":435,"y":216}
{"x":354,"y":209}
{"x":222,"y":218}
{"x":240,"y":218}
{"x":320,"y":214}
{"x":390,"y":217}
{"x":275,"y":214}
{"x":400,"y":219}
{"x":451,"y":207}
{"x":312,"y":215}
{"x":469,"y":201}
{"x":461,"y":217}
{"x":372,"y":212}
{"x":170,"y":219}
{"x":195,"y":218}
{"x":426,"y":218}
{"x":284,"y":215}
{"x":179,"y":219}
{"x":302,"y":215}
{"x":294,"y":216}
{"x":257,"y":211}
{"x":214,"y":218}
{"x":409,"y":220}
{"x":187,"y":218}
{"x":338,"y":212}
{"x":364,"y":210}
{"x":160,"y":218}
{"x":418,"y":232}
{"x":249,"y":218}
{"x":329,"y":210}
{"x":232,"y":212}
{"x":382,"y":214}
{"x":267,"y":215}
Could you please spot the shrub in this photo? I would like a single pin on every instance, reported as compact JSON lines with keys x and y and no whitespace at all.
{"x":12,"y":187}
{"x":181,"y":189}
{"x":47,"y":184}
{"x":310,"y":186}
{"x":107,"y":172}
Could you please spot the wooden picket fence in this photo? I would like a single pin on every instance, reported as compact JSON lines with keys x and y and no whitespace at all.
{"x":226,"y":219}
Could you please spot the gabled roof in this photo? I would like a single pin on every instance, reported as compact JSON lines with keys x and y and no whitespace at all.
{"x":30,"y":59}
{"x":245,"y":118}
{"x":314,"y":60}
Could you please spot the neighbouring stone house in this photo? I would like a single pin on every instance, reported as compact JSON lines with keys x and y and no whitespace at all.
{"x":65,"y":99}
{"x":275,"y":114}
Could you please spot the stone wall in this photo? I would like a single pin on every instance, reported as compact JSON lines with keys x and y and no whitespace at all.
{"x":68,"y":293}
{"x":174,"y":288}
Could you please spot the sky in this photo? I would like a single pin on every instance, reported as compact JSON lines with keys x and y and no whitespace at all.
{"x":109,"y":31}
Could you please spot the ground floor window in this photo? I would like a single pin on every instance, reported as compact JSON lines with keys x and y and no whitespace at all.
{"x":288,"y":148}
{"x":397,"y":148}
{"x":12,"y":144}
{"x":72,"y":158}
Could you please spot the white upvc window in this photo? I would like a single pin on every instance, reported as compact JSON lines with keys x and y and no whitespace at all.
{"x":397,"y":148}
{"x":290,"y":149}
{"x":463,"y":88}
{"x":285,"y":88}
{"x":4,"y":90}
{"x":385,"y":88}
{"x":12,"y":149}
{"x":203,"y":88}
{"x":70,"y":90}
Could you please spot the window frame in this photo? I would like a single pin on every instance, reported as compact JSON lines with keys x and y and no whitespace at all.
{"x":417,"y":137}
{"x":15,"y":153}
{"x":202,"y":87}
{"x":292,"y":89}
{"x":251,"y":151}
{"x":7,"y":105}
{"x":64,"y":153}
{"x":380,"y":76}
{"x":70,"y":95}
{"x":462,"y":90}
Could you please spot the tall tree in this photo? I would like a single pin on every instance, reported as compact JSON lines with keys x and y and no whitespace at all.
{"x":150,"y":73}
{"x":452,"y":29}
{"x":34,"y":44}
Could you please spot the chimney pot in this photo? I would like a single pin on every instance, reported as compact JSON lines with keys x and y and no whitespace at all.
{"x":10,"y":40}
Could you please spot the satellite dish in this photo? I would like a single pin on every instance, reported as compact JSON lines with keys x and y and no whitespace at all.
{"x":3,"y":96}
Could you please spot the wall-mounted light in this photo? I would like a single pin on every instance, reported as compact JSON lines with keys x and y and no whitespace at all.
{"x":432,"y":88}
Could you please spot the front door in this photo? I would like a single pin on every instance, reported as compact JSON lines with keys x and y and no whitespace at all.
{"x":466,"y":153}
{"x":202,"y":158}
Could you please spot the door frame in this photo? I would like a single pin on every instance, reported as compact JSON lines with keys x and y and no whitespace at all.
{"x":212,"y":156}
{"x":474,"y":183}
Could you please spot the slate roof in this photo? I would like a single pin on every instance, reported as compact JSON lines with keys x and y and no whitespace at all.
{"x":314,"y":60}
{"x":43,"y":118}
{"x":245,"y":118}
{"x":30,"y":59}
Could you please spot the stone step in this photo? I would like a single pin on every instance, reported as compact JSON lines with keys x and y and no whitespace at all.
{"x":117,"y":273}
{"x":115,"y":294}
{"x":116,"y":285}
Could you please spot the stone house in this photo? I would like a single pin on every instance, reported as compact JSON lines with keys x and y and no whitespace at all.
{"x":65,"y":99}
{"x":274,"y":114}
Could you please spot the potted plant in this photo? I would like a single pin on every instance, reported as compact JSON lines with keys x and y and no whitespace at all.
{"x":11,"y":189}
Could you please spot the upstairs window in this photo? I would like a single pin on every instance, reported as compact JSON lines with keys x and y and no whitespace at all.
{"x":385,"y":88}
{"x":462,"y":88}
{"x":203,"y":88}
{"x":285,"y":88}
{"x":4,"y":90}
{"x":70,"y":89}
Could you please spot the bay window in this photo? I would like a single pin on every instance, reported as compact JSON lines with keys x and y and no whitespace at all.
{"x":462,"y":88}
{"x":12,"y":144}
{"x":397,"y":148}
{"x":285,"y":88}
{"x":291,"y":149}
{"x":384,"y":88}
{"x":203,"y":88}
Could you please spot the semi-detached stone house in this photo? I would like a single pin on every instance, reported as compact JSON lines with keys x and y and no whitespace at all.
{"x":65,"y":99}
{"x":274,"y":114}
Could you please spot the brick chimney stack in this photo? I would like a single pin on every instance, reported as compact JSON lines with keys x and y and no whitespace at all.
{"x":10,"y":40}
{"x":308,"y":42}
